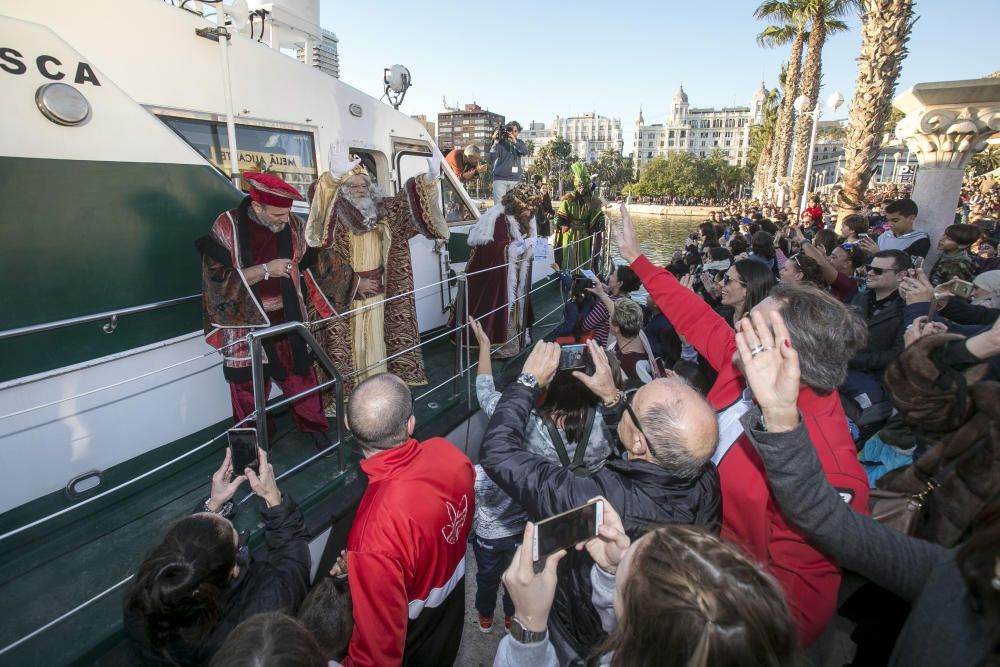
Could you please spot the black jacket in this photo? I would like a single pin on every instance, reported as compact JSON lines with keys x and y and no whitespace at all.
{"x":278,"y":581}
{"x":960,"y":311}
{"x":885,"y":332}
{"x":644,"y":495}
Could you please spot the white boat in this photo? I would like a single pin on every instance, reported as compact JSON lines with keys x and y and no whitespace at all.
{"x":113,"y":159}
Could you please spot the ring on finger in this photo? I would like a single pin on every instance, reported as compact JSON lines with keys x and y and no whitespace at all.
{"x":757,"y":350}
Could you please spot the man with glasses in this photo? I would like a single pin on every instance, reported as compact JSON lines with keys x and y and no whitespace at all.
{"x":667,"y":435}
{"x":881,"y":306}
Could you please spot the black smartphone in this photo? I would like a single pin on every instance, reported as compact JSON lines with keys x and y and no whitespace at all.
{"x":243,"y":445}
{"x":573,"y":357}
{"x":566,"y":530}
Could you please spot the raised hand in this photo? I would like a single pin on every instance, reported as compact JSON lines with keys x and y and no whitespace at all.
{"x":477,"y":330}
{"x":771,"y":367}
{"x":434,"y":163}
{"x":628,"y":245}
{"x":611,"y":543}
{"x":532,"y":593}
{"x":601,"y":383}
{"x":264,"y":485}
{"x":919,"y":328}
{"x":339,"y":160}
{"x":224,"y":485}
{"x":543,"y":362}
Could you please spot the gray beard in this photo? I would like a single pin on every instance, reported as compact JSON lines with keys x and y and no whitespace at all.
{"x":273,"y":228}
{"x":368,"y":209}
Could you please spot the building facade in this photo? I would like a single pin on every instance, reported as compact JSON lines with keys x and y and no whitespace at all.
{"x":589,"y":135}
{"x":457,"y":128}
{"x":699,"y":130}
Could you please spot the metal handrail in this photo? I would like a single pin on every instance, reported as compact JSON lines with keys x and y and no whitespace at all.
{"x":111,"y":315}
{"x":256,"y":341}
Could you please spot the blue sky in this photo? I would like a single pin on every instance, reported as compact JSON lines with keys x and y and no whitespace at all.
{"x":534,"y":60}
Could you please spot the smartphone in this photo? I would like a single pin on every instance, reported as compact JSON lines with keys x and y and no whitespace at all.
{"x":243,"y":445}
{"x":962,"y":288}
{"x":566,"y":530}
{"x":863,"y":236}
{"x":587,"y":273}
{"x":572,"y":357}
{"x":918,"y":263}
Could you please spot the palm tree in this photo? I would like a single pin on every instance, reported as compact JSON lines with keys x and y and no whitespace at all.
{"x":885,"y":29}
{"x":790,"y":28}
{"x":824,"y":19}
{"x":762,"y":141}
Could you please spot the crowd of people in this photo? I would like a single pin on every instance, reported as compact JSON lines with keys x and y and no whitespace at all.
{"x":749,"y":431}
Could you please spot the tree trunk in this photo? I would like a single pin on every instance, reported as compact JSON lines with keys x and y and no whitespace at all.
{"x":812,"y":73}
{"x":786,"y":114}
{"x":884,"y":33}
{"x":763,"y":168}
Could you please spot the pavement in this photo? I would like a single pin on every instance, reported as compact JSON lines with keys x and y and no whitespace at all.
{"x":478,"y":648}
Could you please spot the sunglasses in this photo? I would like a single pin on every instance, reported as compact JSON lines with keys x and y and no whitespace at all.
{"x":726,"y":279}
{"x":795,"y":259}
{"x":627,"y":400}
{"x":877,"y":271}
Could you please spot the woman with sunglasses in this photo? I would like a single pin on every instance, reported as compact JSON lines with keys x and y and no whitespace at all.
{"x":744,"y":285}
{"x":200,"y":582}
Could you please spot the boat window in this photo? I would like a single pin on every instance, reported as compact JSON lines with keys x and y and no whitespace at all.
{"x":289,"y":154}
{"x":454,"y":207}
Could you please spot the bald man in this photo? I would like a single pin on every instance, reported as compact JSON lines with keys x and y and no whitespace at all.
{"x":668,"y":433}
{"x":406,"y":548}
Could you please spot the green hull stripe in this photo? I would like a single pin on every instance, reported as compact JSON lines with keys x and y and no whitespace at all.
{"x":83,"y":237}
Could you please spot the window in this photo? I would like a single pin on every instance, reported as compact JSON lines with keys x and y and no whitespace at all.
{"x":715,"y":143}
{"x":717,"y":122}
{"x":683,"y":133}
{"x":729,"y":135}
{"x":703,"y":143}
{"x":454,"y":207}
{"x":289,"y":154}
{"x":715,"y":135}
{"x":728,"y":143}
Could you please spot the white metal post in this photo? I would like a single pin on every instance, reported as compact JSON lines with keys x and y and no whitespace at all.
{"x":234,"y":154}
{"x":809,"y":160}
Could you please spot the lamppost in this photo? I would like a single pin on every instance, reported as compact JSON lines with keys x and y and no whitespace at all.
{"x":895,"y":163}
{"x":800,"y":104}
{"x":885,"y":156}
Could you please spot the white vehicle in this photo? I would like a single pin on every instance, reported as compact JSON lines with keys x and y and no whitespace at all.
{"x":114,"y":146}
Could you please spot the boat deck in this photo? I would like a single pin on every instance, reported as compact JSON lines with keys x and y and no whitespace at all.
{"x":90,"y":552}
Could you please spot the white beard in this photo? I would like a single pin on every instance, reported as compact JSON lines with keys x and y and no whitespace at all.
{"x":366,"y":206}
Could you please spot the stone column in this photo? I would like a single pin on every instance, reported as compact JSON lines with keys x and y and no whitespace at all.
{"x":946,"y":123}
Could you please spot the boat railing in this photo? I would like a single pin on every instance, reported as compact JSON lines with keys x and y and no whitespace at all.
{"x":464,"y":366}
{"x":109,"y":317}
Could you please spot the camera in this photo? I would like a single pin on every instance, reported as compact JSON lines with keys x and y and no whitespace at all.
{"x":501,"y":132}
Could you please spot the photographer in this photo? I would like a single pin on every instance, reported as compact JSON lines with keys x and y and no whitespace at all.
{"x":505,"y":158}
{"x":465,"y":162}
{"x":668,"y":432}
{"x":199,"y":583}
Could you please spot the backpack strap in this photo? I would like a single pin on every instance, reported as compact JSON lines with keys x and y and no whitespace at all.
{"x":576,"y":466}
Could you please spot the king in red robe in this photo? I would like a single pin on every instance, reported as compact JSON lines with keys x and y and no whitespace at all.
{"x":257,"y":271}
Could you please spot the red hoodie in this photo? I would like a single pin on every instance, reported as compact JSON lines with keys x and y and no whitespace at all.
{"x":750,"y":516}
{"x":406,"y":553}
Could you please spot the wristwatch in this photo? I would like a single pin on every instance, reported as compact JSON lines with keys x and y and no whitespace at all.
{"x":267,"y":274}
{"x":524,"y":635}
{"x":528,"y":380}
{"x":227,"y":510}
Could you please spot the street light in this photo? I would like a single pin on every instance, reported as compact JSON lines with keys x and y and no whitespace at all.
{"x":895,"y":164}
{"x":800,"y":104}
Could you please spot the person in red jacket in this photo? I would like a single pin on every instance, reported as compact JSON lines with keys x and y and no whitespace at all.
{"x":406,"y":547}
{"x":826,"y":336}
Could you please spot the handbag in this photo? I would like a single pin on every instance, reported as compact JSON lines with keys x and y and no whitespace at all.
{"x":899,"y":511}
{"x":902,"y":511}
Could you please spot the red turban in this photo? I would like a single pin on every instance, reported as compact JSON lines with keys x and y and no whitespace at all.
{"x":270,"y":190}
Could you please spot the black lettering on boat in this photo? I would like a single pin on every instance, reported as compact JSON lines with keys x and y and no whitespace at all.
{"x":42,"y":63}
{"x":84,"y":74}
{"x":10,"y":61}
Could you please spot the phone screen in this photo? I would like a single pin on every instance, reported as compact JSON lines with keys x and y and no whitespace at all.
{"x":564,"y":531}
{"x":243,"y":443}
{"x":571,"y":357}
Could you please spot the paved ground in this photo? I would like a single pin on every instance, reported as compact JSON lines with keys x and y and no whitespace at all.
{"x":477,"y":648}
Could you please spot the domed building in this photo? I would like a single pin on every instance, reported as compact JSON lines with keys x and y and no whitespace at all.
{"x":699,"y":130}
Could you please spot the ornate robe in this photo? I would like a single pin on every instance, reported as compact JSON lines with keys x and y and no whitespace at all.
{"x":499,"y":297}
{"x":580,"y":216}
{"x":232,"y":308}
{"x":383,"y":326}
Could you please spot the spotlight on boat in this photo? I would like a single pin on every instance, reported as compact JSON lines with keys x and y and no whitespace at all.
{"x":397,"y":81}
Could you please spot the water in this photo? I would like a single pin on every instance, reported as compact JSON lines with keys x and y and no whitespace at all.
{"x":659,"y":235}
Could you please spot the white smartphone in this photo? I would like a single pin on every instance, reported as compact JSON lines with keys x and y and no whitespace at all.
{"x":566,"y":530}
